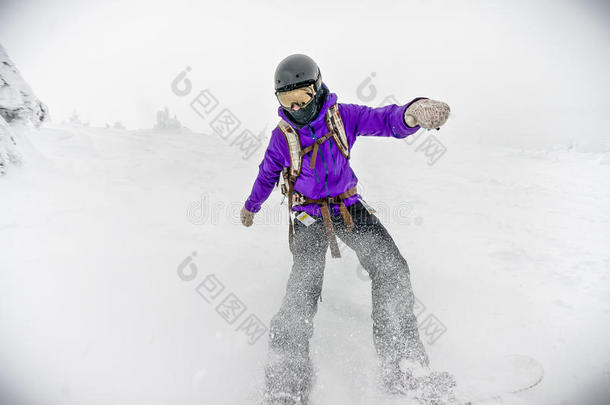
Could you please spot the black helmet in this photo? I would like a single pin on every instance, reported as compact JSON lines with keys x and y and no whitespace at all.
{"x":295,"y":71}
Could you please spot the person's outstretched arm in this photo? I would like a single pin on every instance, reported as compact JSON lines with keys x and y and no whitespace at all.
{"x":393,"y":120}
{"x":268,"y":174}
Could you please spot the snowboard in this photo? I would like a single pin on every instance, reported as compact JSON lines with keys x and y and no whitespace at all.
{"x":497,"y":378}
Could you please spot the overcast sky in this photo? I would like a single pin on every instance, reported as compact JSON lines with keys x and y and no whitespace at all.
{"x":539,"y":67}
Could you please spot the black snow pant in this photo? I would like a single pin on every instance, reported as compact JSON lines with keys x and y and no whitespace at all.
{"x":288,"y":373}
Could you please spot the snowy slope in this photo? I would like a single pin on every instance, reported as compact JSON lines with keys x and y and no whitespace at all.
{"x":507,"y":248}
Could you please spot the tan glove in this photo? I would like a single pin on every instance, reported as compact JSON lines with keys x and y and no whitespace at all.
{"x":427,"y":113}
{"x":246,"y":217}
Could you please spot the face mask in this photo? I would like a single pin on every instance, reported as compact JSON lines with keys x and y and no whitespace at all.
{"x":310,"y":111}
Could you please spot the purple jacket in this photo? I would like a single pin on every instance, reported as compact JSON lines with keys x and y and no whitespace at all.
{"x":332,"y":174}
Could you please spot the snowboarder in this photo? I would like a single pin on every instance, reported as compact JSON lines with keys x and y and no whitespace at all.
{"x":310,"y":150}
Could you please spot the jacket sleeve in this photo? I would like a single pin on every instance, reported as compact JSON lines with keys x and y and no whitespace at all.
{"x":383,"y":121}
{"x":268,"y":171}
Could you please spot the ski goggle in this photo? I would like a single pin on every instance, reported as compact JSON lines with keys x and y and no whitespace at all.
{"x":300,"y":96}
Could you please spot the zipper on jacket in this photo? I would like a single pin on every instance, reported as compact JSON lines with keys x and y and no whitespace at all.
{"x":313,"y":135}
{"x":330,"y":147}
{"x":315,"y":173}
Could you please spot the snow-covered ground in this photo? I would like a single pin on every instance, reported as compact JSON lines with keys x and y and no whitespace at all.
{"x":508,"y":249}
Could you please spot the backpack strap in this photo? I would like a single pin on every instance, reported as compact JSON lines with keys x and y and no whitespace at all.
{"x":294,"y":148}
{"x":335,"y":126}
{"x":336,"y":130}
{"x":291,"y":174}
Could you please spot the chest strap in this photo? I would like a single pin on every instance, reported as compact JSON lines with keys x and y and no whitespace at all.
{"x":314,"y":147}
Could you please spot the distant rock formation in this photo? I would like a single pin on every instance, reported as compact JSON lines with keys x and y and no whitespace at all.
{"x":165,"y":122}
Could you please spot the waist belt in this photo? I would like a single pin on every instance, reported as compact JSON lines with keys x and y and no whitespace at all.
{"x":324,"y":203}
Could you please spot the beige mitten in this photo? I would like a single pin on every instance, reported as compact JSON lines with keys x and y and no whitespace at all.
{"x":246,"y":217}
{"x":427,"y":113}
